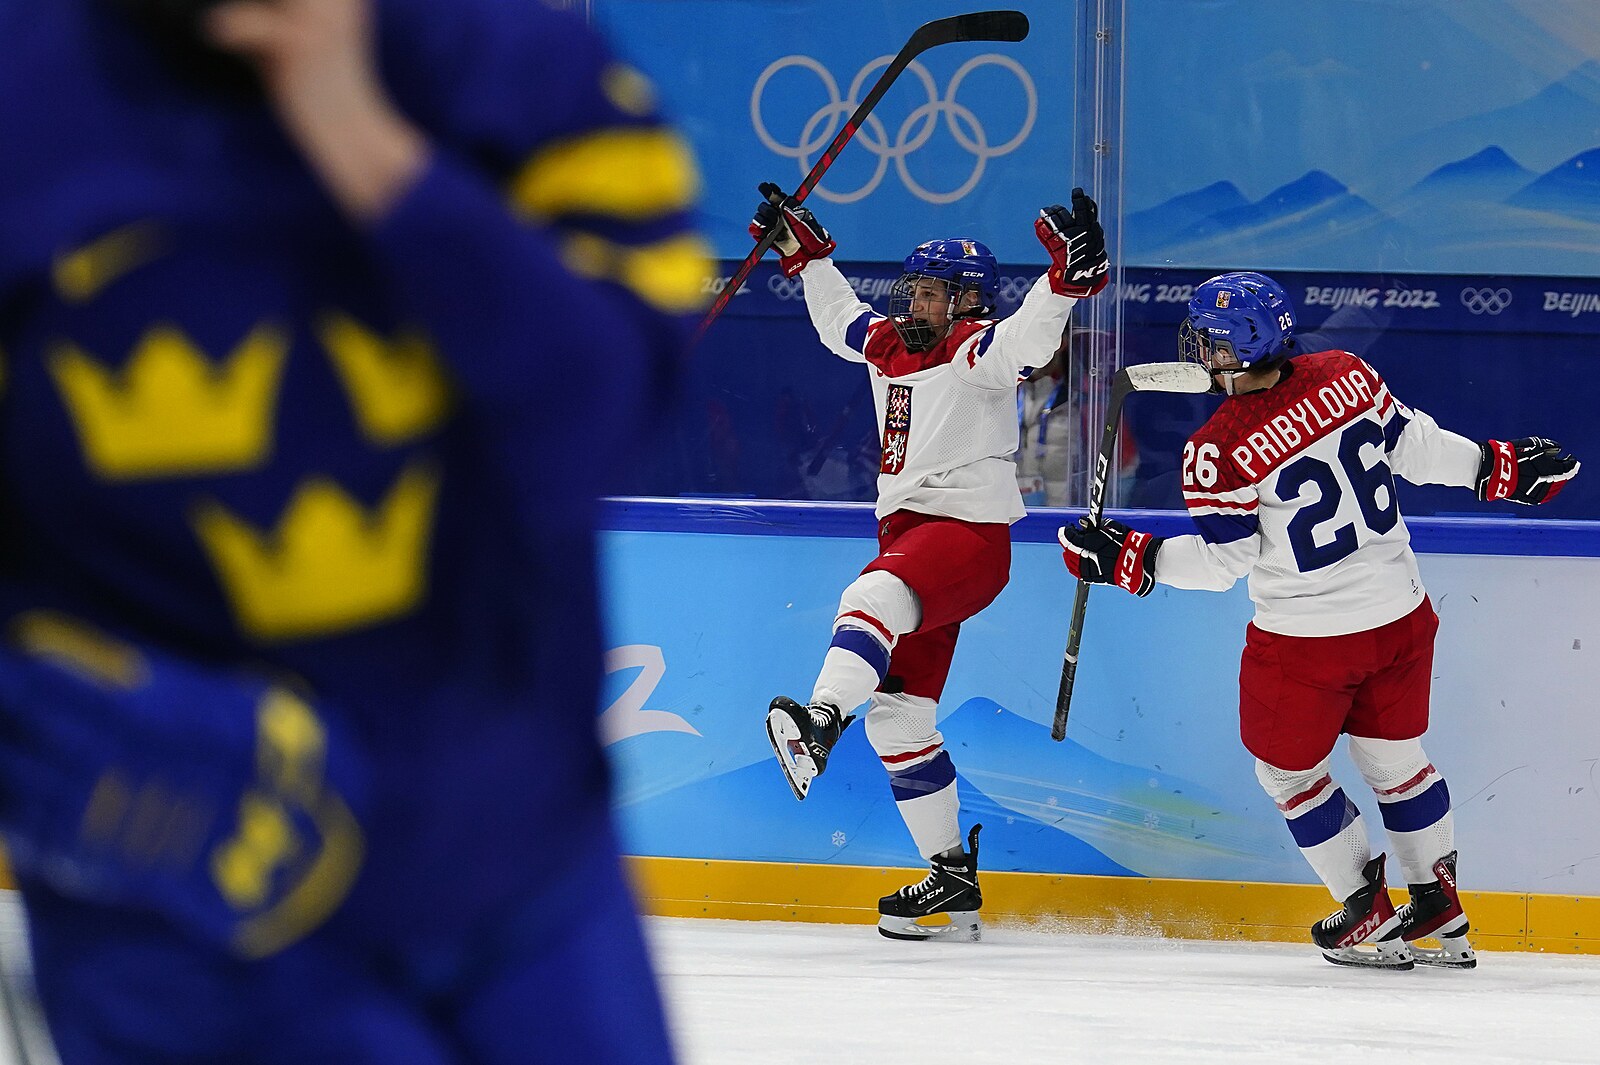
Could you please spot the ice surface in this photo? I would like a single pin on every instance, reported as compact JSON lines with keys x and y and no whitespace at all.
{"x":741,"y":992}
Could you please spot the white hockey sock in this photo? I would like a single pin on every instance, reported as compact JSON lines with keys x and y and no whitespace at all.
{"x":926,"y":797}
{"x":1413,"y":799}
{"x":1325,"y":824}
{"x":850,"y":672}
{"x":901,"y":728}
{"x":874,"y":611}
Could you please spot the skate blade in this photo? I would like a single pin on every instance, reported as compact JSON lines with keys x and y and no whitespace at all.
{"x":1452,"y":953}
{"x":1379,"y":956}
{"x":964,"y":927}
{"x":799,"y":768}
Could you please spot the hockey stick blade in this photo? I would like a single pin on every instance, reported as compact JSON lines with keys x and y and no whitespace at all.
{"x":975,"y":26}
{"x":1009,"y":26}
{"x":1168,"y":377}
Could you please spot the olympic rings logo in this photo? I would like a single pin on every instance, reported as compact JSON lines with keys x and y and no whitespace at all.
{"x":1012,"y":289}
{"x":918,"y":127}
{"x":1485,"y":300}
{"x":786,"y":288}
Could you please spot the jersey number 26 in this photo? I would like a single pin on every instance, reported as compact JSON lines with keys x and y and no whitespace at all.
{"x":1373,"y":487}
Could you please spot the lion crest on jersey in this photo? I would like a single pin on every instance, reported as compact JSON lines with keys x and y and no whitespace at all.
{"x":896,"y":428}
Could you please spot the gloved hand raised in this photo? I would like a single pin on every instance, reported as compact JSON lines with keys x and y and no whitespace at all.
{"x":1108,"y":552}
{"x":1530,"y":470}
{"x":1077,"y":247}
{"x":800,"y":237}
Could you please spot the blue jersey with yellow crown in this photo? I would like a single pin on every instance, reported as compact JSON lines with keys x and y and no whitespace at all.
{"x":237,"y":428}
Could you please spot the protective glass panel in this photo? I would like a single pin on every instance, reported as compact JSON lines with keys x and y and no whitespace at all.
{"x":1423,"y":178}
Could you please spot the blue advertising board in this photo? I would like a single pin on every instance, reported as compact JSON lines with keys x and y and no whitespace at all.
{"x":715,"y":607}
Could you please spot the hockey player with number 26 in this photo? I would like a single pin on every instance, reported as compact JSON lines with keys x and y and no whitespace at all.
{"x":944,"y":377}
{"x":1291,"y":482}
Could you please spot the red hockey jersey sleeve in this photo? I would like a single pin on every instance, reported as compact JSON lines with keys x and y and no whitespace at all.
{"x":1224,"y":505}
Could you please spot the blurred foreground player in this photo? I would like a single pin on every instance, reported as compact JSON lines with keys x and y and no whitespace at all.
{"x":1291,"y":481}
{"x":944,"y":378}
{"x":298,"y":758}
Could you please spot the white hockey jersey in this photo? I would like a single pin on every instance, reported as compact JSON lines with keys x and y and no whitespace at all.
{"x":947,"y":417}
{"x":1294,"y":486}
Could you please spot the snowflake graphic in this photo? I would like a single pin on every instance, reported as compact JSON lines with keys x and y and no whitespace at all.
{"x":838,"y":839}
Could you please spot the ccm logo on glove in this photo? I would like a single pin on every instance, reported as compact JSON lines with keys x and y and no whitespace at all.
{"x":1130,"y":563}
{"x":1530,"y":470}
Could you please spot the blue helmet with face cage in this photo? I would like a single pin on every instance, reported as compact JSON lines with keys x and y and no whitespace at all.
{"x":1245,"y":314}
{"x":963,"y":265}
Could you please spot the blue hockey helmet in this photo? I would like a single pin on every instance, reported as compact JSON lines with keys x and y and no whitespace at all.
{"x":1237,"y":321}
{"x":964,"y":265}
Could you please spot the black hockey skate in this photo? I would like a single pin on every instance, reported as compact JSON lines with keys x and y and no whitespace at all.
{"x":950,"y":888}
{"x":801,"y":737}
{"x":1434,"y":912}
{"x":1368,"y":917}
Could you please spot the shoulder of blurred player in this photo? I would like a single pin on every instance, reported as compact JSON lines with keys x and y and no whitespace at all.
{"x":537,"y":101}
{"x":494,"y":78}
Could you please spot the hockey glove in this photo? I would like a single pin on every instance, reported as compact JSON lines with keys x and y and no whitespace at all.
{"x":1111,"y":553}
{"x":1530,"y":470}
{"x":1077,"y":247}
{"x":800,"y":238}
{"x":135,"y":779}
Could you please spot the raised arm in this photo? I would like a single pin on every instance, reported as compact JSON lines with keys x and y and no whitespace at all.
{"x":841,"y":318}
{"x":998,"y":357}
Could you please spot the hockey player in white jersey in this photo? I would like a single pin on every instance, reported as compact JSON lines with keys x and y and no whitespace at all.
{"x":1291,"y":482}
{"x":944,"y":376}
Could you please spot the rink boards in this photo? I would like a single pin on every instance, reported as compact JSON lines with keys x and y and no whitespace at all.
{"x":1136,"y":906}
{"x":1149,"y":815}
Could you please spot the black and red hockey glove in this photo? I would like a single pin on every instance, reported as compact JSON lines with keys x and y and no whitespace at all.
{"x":1111,"y":553}
{"x":1077,"y":247}
{"x":1530,"y":470}
{"x":800,"y":238}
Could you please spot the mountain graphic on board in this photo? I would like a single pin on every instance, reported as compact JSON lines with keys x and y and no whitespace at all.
{"x":1188,"y":210}
{"x":1562,"y":113}
{"x":1309,"y":219}
{"x":849,"y":818}
{"x":1488,"y":175}
{"x":1571,"y":189}
{"x":1482,"y":213}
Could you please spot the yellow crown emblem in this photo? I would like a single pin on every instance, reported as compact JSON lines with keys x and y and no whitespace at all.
{"x":331,"y":564}
{"x":396,"y":387}
{"x":171,"y":411}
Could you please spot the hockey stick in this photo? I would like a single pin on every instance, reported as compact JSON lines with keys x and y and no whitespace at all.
{"x":1148,"y":377}
{"x":977,"y":26}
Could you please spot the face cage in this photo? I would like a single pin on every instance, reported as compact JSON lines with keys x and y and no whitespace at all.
{"x":920,"y":336}
{"x":1192,"y":345}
